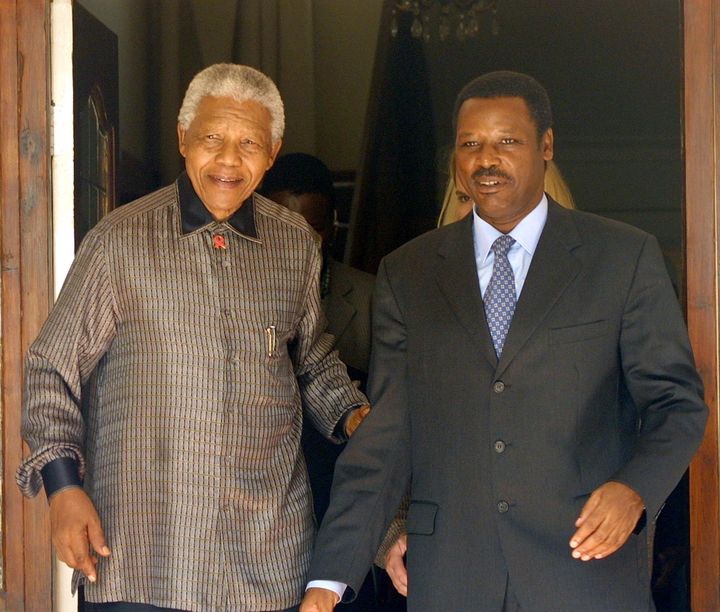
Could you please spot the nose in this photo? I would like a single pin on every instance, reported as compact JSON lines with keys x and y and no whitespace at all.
{"x":229,"y":154}
{"x":487,"y":155}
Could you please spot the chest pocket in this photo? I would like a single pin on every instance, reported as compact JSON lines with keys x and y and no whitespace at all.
{"x":578,"y":333}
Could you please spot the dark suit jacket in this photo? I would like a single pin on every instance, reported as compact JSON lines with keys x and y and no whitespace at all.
{"x":347,"y":308}
{"x":596,"y":383}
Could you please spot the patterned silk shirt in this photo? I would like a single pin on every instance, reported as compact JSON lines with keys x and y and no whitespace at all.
{"x":174,"y":370}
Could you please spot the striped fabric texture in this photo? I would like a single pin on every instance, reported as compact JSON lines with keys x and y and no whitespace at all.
{"x":174,"y":368}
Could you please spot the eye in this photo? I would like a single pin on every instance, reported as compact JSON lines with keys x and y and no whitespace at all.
{"x":250,"y":146}
{"x":212,"y":137}
{"x":469,"y":143}
{"x":462,"y":197}
{"x":508,"y":141}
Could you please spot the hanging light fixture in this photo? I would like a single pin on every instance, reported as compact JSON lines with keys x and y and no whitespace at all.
{"x":441,"y":17}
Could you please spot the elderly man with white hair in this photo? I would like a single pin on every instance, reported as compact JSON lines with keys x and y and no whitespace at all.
{"x":164,"y":394}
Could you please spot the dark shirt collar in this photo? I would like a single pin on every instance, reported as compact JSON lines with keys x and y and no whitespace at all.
{"x":195,"y":215}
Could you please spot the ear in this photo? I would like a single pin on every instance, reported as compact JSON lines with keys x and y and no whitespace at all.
{"x":273,"y":154}
{"x":547,"y":145}
{"x":181,"y":139}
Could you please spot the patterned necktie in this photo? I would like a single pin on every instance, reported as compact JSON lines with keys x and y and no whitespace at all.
{"x":500,"y":294}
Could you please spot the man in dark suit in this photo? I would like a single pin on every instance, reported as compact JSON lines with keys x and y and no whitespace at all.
{"x":533,"y":386}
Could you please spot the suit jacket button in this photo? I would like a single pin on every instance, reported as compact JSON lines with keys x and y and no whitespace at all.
{"x":499,"y":446}
{"x":503,"y":507}
{"x":499,"y":386}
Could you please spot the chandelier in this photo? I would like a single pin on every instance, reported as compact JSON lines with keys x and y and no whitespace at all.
{"x":441,"y":17}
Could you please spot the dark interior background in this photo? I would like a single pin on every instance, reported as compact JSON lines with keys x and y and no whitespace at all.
{"x":613,"y":72}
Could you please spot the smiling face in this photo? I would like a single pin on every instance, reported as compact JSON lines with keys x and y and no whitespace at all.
{"x":227,"y":150}
{"x":499,"y":162}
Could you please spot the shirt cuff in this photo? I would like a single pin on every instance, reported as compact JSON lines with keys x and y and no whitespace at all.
{"x":59,"y":474}
{"x":336,"y":587}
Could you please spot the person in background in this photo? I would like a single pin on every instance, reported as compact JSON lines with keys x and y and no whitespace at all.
{"x":533,"y":387}
{"x":164,"y":395}
{"x":304,"y":184}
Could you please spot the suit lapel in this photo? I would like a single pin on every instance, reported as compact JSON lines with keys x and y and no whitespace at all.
{"x":339,"y":310}
{"x":552,"y":269}
{"x":458,"y":281}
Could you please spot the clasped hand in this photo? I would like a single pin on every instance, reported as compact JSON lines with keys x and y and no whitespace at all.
{"x":318,"y":600}
{"x":355,"y":418}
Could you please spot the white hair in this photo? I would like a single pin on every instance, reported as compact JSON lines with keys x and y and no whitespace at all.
{"x":242,"y":83}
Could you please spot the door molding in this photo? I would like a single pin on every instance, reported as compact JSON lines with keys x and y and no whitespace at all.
{"x":25,"y":276}
{"x":702,"y":196}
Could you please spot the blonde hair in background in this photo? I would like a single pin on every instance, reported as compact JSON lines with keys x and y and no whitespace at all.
{"x":556,"y":187}
{"x":457,"y":205}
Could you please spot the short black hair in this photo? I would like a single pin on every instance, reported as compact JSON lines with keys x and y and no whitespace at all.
{"x":507,"y":84}
{"x":299,"y":173}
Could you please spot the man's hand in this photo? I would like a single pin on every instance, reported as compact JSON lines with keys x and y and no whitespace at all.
{"x":395,"y":565}
{"x":355,"y":418}
{"x":75,"y":527}
{"x":318,"y":600}
{"x":606,"y":521}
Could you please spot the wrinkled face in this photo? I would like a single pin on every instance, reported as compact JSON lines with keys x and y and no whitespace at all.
{"x":227,"y":150}
{"x":499,"y":162}
{"x":315,"y":207}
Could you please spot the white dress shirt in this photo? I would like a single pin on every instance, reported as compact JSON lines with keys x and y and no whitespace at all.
{"x":526,"y":235}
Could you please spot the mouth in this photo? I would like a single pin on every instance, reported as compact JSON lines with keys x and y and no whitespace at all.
{"x":226,"y":181}
{"x":490,"y":180}
{"x":490,"y":184}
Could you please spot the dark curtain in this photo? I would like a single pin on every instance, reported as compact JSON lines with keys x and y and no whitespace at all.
{"x":396,"y":193}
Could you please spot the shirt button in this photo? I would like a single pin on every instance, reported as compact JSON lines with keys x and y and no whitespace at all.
{"x":499,"y":386}
{"x":499,"y":446}
{"x":503,"y":507}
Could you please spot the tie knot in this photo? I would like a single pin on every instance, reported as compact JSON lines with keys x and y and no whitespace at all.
{"x":502,"y":245}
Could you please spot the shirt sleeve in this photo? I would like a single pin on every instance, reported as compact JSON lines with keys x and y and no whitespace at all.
{"x":326,"y":389}
{"x":336,"y":587}
{"x":78,"y":332}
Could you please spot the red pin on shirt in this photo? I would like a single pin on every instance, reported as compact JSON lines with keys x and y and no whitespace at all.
{"x":219,"y":242}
